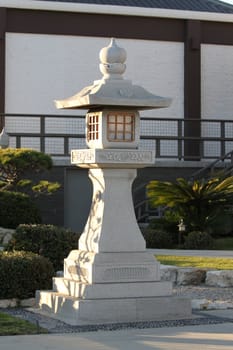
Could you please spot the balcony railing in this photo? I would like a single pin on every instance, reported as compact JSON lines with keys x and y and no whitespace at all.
{"x":170,"y":138}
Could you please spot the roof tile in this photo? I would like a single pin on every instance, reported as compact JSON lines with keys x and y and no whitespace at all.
{"x":188,"y":5}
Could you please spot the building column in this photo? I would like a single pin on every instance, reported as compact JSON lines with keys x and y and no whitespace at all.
{"x":2,"y":64}
{"x":192,"y":89}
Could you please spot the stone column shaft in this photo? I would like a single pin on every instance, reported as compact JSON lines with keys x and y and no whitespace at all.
{"x":112,"y":225}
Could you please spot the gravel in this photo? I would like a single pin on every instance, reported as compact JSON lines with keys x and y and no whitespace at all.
{"x":203,"y":292}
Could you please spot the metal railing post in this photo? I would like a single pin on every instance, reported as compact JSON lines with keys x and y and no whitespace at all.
{"x":42,"y":134}
{"x":162,"y":132}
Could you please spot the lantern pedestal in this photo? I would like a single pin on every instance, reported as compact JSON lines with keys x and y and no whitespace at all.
{"x":111,"y":278}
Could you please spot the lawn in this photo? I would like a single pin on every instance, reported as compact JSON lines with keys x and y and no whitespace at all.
{"x":225,"y":243}
{"x":195,"y":261}
{"x":10,"y":325}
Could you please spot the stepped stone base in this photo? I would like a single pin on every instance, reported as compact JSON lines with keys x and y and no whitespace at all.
{"x":76,"y":311}
{"x":114,"y":267}
{"x":111,"y":290}
{"x":112,"y":287}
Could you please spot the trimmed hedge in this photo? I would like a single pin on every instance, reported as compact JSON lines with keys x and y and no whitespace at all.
{"x":157,"y":238}
{"x":51,"y":241}
{"x":198,"y":240}
{"x":17,"y":208}
{"x":22,"y":273}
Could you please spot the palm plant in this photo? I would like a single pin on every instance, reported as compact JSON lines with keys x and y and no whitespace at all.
{"x":198,"y":202}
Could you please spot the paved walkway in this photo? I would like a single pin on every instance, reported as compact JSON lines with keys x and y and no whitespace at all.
{"x":208,"y":337}
{"x":208,"y":253}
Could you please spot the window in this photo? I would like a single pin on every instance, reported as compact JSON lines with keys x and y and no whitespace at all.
{"x":93,"y":127}
{"x":120,"y":127}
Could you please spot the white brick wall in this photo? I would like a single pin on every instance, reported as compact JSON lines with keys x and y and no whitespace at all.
{"x":41,"y":68}
{"x":217,"y":81}
{"x":216,"y":93}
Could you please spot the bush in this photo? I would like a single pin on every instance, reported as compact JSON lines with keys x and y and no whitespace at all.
{"x":17,"y":208}
{"x":157,"y":239}
{"x":222,"y":225}
{"x":198,"y":240}
{"x":52,"y":242}
{"x":167,"y":225}
{"x":22,"y":273}
{"x":15,"y":163}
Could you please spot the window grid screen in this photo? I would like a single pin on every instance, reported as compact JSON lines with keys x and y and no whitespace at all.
{"x":93,"y":127}
{"x":120,"y":127}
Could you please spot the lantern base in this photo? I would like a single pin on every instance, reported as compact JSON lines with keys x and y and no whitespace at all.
{"x":102,"y":288}
{"x":121,"y":267}
{"x":80,"y":311}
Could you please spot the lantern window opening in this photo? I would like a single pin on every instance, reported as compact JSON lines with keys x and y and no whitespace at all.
{"x":93,"y":127}
{"x":121,"y":127}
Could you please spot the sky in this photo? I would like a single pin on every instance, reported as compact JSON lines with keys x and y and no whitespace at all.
{"x":228,"y":1}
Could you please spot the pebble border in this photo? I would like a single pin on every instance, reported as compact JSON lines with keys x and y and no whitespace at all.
{"x":55,"y":326}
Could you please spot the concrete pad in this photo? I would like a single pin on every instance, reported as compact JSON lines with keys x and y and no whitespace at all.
{"x":208,"y":337}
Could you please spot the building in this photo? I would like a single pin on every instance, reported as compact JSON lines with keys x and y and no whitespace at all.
{"x":177,"y":48}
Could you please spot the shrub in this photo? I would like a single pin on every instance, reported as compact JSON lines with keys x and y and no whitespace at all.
{"x":16,"y":162}
{"x":19,"y":170}
{"x":17,"y":208}
{"x":51,"y":241}
{"x":198,"y":240}
{"x":163,"y":224}
{"x":157,"y":238}
{"x":222,"y":225}
{"x":22,"y":273}
{"x":198,"y":202}
{"x":167,"y":225}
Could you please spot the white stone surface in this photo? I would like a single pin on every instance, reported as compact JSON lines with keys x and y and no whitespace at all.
{"x":5,"y":303}
{"x":90,"y":267}
{"x":112,"y":158}
{"x":222,"y":278}
{"x":112,"y":225}
{"x":205,"y":304}
{"x":5,"y":235}
{"x":111,"y":290}
{"x":103,"y":129}
{"x":199,"y":304}
{"x":4,"y":139}
{"x":168,"y":273}
{"x":77,"y":311}
{"x":14,"y":302}
{"x":186,"y":276}
{"x":104,"y":92}
{"x":30,"y":302}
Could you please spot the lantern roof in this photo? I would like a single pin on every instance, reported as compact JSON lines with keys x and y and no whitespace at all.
{"x":113,"y":89}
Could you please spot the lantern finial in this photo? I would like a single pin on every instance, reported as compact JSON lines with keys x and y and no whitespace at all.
{"x":112,"y":60}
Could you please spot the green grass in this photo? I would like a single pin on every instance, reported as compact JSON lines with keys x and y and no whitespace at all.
{"x":10,"y":325}
{"x":195,"y":261}
{"x":225,"y":243}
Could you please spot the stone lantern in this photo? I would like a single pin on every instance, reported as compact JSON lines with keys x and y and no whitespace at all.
{"x":111,"y":277}
{"x":4,"y":139}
